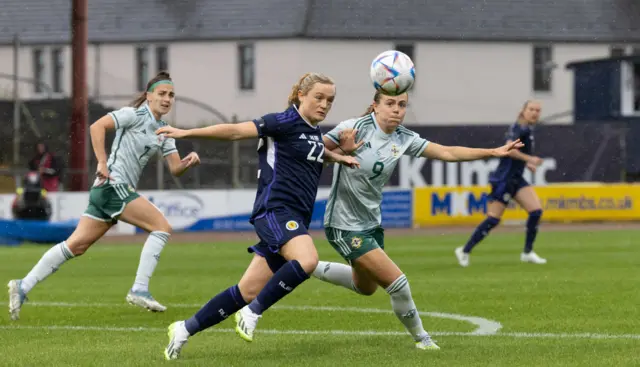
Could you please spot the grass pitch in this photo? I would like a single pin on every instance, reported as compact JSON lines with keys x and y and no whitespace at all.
{"x":580,"y":309}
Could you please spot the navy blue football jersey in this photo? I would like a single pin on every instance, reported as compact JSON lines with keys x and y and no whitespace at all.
{"x":290,"y":163}
{"x":509,"y":167}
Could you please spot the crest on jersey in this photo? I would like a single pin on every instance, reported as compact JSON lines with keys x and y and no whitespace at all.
{"x":356,"y":242}
{"x":130,"y":188}
{"x":506,"y":196}
{"x":395,"y":151}
{"x":292,"y":225}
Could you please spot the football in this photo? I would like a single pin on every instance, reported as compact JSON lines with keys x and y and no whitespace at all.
{"x":392,"y":73}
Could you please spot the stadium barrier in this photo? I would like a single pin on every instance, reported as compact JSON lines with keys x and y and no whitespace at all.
{"x":560,"y":202}
{"x":229,"y":210}
{"x":211,"y":210}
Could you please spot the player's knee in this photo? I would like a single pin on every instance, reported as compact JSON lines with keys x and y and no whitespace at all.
{"x":400,"y":289}
{"x":308,"y":262}
{"x":163,"y":227}
{"x":535,"y":213}
{"x":78,"y":248}
{"x":492,"y":221}
{"x":367,"y":290}
{"x":534,"y":219}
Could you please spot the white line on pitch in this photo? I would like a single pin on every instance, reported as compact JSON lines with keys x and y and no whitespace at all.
{"x":324,"y":332}
{"x":483,"y":326}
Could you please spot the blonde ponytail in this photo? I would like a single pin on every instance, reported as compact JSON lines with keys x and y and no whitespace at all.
{"x":524,"y":107}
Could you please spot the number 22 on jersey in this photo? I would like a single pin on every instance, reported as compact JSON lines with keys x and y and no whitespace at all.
{"x":319,"y":146}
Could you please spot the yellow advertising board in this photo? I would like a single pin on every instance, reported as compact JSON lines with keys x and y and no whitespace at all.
{"x":560,"y":203}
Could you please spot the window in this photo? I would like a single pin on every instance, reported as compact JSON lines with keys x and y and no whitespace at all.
{"x":406,"y":49}
{"x":142,"y":67}
{"x":542,"y":68}
{"x":246,"y":57}
{"x":617,"y":51}
{"x":57,"y":68}
{"x":38,"y":70}
{"x":162,"y":58}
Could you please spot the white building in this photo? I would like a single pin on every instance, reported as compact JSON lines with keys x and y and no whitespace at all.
{"x":242,"y":56}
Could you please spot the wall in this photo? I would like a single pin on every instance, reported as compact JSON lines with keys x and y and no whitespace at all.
{"x":457,"y":82}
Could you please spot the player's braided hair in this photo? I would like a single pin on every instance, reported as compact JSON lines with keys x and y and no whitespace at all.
{"x":304,"y":85}
{"x":376,"y":99}
{"x":163,"y":75}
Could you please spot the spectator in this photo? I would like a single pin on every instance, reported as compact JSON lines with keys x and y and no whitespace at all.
{"x":31,"y":200}
{"x":47,"y":166}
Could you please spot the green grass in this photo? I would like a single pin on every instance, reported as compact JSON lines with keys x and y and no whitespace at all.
{"x":590,"y":285}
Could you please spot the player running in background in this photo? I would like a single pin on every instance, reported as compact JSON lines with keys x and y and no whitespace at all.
{"x":291,"y":157}
{"x":353,"y":219}
{"x":113,"y":197}
{"x":507,"y":183}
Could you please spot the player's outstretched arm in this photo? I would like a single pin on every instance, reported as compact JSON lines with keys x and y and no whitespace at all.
{"x":459,"y":154}
{"x":243,"y":130}
{"x":178,"y":166}
{"x":529,"y":159}
{"x":349,"y":161}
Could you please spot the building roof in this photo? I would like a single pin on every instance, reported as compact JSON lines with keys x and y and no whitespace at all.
{"x":603,"y":61}
{"x":49,"y":21}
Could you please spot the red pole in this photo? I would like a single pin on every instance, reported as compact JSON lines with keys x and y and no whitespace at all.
{"x":79,"y":112}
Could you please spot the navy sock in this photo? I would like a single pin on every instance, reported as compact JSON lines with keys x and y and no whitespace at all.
{"x":481,"y":232}
{"x":283,"y":282}
{"x":216,"y":310}
{"x":532,"y":229}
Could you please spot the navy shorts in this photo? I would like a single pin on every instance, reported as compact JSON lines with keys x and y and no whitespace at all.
{"x":504,"y":191}
{"x":274,"y":229}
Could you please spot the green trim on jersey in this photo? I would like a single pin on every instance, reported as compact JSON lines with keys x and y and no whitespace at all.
{"x":334,"y":194}
{"x":115,"y":119}
{"x":422,"y":148}
{"x":362,"y":121}
{"x":403,"y":130}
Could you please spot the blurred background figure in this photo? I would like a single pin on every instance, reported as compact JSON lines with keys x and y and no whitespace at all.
{"x":47,"y":166}
{"x":31,"y":200}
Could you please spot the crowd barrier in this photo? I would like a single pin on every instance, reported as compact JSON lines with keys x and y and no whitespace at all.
{"x":560,"y":203}
{"x":229,"y":210}
{"x":210,"y":210}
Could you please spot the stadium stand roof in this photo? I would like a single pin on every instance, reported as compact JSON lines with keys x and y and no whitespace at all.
{"x":48,"y":21}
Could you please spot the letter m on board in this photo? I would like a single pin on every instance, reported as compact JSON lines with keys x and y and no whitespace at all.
{"x":440,"y":205}
{"x":477,"y":205}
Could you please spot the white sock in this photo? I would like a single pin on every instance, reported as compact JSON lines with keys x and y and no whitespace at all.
{"x":335,"y":273}
{"x":48,"y":264}
{"x":149,"y":259}
{"x":404,"y":308}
